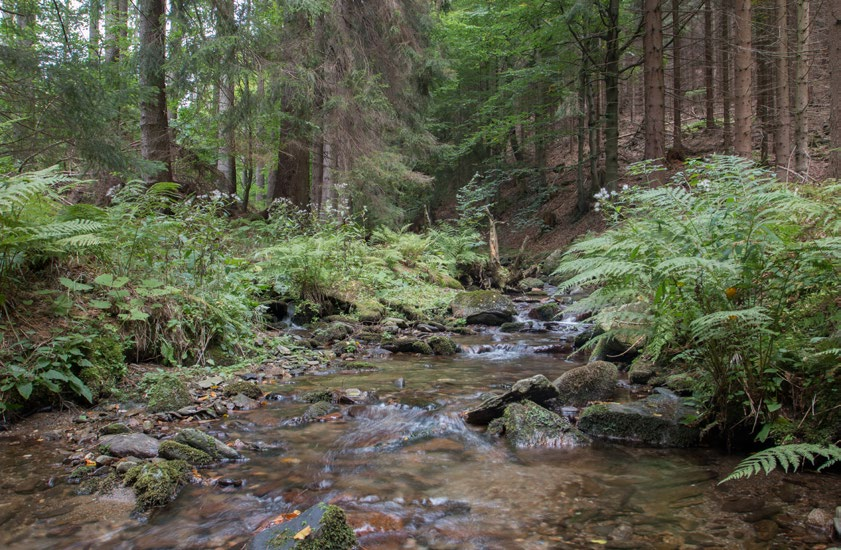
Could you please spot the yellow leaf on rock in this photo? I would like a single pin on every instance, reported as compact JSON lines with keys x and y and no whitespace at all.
{"x":598,"y":541}
{"x":303,"y":533}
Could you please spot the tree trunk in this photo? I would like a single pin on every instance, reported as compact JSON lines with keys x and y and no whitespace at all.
{"x":154,"y":127}
{"x":611,"y":87}
{"x":801,"y":89}
{"x":226,"y":159}
{"x":583,"y":190}
{"x":709,"y":65}
{"x":655,"y":108}
{"x":259,"y":169}
{"x":724,"y":52}
{"x":95,"y":14}
{"x":677,"y":84}
{"x":116,"y":30}
{"x":764,"y":88}
{"x":834,"y":25}
{"x":742,"y":60}
{"x":782,"y":133}
{"x":593,"y":133}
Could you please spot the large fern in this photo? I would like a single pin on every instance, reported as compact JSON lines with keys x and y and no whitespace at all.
{"x":788,"y":457}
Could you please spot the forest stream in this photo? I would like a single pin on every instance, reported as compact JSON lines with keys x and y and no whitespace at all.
{"x":411,"y":474}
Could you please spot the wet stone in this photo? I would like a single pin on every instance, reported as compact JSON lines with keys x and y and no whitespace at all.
{"x":134,"y":444}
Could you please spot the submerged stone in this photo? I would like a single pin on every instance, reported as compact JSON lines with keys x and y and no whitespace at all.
{"x":537,"y":389}
{"x":656,"y":421}
{"x":157,"y":484}
{"x":322,"y":527}
{"x":204,"y":442}
{"x":173,"y":450}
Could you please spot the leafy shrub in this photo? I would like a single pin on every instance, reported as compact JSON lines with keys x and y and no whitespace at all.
{"x":725,"y":272}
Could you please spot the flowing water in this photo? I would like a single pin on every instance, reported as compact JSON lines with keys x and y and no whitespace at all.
{"x":411,"y":474}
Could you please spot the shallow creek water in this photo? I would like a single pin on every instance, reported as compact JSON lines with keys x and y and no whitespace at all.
{"x":411,"y":474}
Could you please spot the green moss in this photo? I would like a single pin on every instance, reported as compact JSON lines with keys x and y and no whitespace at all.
{"x":106,"y":355}
{"x":361,"y":365}
{"x":157,"y":484}
{"x":318,"y":395}
{"x":422,"y":347}
{"x":334,"y":533}
{"x":173,"y":450}
{"x":168,"y":393}
{"x":248,"y":389}
{"x":527,"y":424}
{"x":442,"y":345}
{"x":319,"y":409}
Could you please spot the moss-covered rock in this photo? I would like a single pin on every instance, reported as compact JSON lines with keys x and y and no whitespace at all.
{"x":332,"y":333}
{"x":169,"y":393}
{"x":157,"y":484}
{"x":527,"y":424}
{"x":544,"y":312}
{"x":657,"y":421}
{"x":594,"y":381}
{"x":514,"y":326}
{"x":641,"y":370}
{"x":409,"y":345}
{"x":319,"y":395}
{"x":537,"y":389}
{"x":483,"y":307}
{"x":530,"y":283}
{"x":114,"y":428}
{"x":246,"y":388}
{"x":328,"y":526}
{"x":207,"y":443}
{"x":317,"y":410}
{"x":172,"y":450}
{"x":106,"y":355}
{"x":442,"y":345}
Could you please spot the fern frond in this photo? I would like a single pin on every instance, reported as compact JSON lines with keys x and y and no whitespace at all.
{"x":789,"y":457}
{"x":722,"y":323}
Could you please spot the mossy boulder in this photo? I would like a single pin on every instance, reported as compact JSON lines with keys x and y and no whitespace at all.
{"x":544,"y":312}
{"x":659,"y":420}
{"x":514,"y":326}
{"x":369,"y":311}
{"x":530,"y":283}
{"x":442,"y":345}
{"x":537,"y":389}
{"x":527,"y":424}
{"x":169,"y":393}
{"x":157,"y":484}
{"x":594,"y":381}
{"x":172,"y":450}
{"x":319,"y":395}
{"x":332,"y":333}
{"x":129,"y":444}
{"x":641,"y":370}
{"x":317,"y":410}
{"x":248,"y":389}
{"x":409,"y":345}
{"x":328,"y":526}
{"x":207,"y":443}
{"x":106,"y":355}
{"x":483,"y":307}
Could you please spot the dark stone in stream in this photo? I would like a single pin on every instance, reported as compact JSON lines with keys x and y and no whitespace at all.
{"x":328,"y":531}
{"x":209,"y":444}
{"x":656,"y":421}
{"x":134,"y":444}
{"x":244,"y":403}
{"x":594,"y":381}
{"x":514,"y":327}
{"x":483,"y":307}
{"x":544,"y":312}
{"x":537,"y":389}
{"x":114,"y":428}
{"x":173,"y":450}
{"x":409,"y":345}
{"x":527,"y":424}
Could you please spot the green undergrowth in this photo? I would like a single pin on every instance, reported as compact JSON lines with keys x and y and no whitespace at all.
{"x":157,"y":277}
{"x":730,"y":277}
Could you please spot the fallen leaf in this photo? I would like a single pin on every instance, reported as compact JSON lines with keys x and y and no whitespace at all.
{"x":290,"y":460}
{"x":303,"y":533}
{"x":598,"y":541}
{"x":90,"y":462}
{"x":213,"y":394}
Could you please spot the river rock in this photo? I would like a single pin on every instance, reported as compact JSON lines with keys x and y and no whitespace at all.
{"x":442,"y":345}
{"x":249,"y":389}
{"x":114,"y":428}
{"x":169,"y":394}
{"x":173,"y":450}
{"x":332,"y":333}
{"x":409,"y":345}
{"x":820,"y":520}
{"x":133,"y":444}
{"x":527,"y":424}
{"x":530,"y":283}
{"x":244,"y":403}
{"x":207,"y":383}
{"x":537,"y":389}
{"x":544,"y":312}
{"x":594,"y":381}
{"x":656,"y":421}
{"x":204,"y":442}
{"x":483,"y":307}
{"x":641,"y":371}
{"x":514,"y":326}
{"x":327,"y":529}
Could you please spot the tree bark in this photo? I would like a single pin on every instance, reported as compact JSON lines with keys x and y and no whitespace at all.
{"x":834,"y":25}
{"x":95,"y":8}
{"x":801,"y":89}
{"x":742,"y":60}
{"x":154,"y":126}
{"x":655,"y":108}
{"x":611,"y":87}
{"x":226,"y":159}
{"x":782,"y":133}
{"x":709,"y":65}
{"x":724,"y":53}
{"x":677,"y":84}
{"x":583,"y":190}
{"x":116,"y":30}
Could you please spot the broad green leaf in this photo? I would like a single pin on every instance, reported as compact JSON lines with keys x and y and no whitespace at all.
{"x":25,"y":389}
{"x":73,"y":285}
{"x":100,"y":304}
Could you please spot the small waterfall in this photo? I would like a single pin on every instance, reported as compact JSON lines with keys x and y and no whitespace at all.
{"x":496,"y":351}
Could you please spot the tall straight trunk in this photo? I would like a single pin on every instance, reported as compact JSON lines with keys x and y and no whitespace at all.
{"x":259,"y":168}
{"x":154,"y":126}
{"x":116,"y":28}
{"x":834,"y":25}
{"x":542,"y":124}
{"x":765,"y":34}
{"x":226,"y":159}
{"x":677,"y":84}
{"x":742,"y":61}
{"x":593,"y":132}
{"x":611,"y":89}
{"x":782,"y":133}
{"x":95,"y":9}
{"x":655,"y":100}
{"x":583,"y":190}
{"x":801,"y":88}
{"x":709,"y":65}
{"x":725,"y":47}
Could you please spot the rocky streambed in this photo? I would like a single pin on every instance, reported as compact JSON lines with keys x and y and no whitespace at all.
{"x":425,"y":437}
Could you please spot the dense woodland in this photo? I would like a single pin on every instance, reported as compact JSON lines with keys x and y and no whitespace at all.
{"x":170,"y":168}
